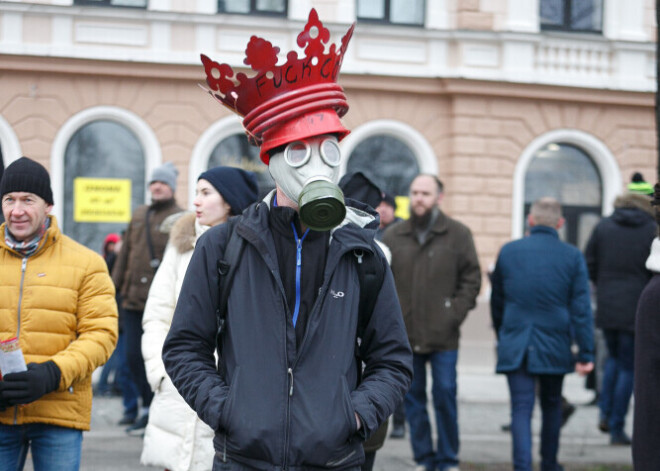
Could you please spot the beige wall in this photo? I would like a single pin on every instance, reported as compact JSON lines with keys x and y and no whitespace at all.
{"x":478,"y":130}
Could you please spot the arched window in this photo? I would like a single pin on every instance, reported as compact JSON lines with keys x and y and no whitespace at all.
{"x":567,"y":173}
{"x":387,"y":160}
{"x":101,"y":149}
{"x":235,"y":151}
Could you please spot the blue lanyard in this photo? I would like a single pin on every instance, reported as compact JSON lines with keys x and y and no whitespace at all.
{"x":298,"y":269}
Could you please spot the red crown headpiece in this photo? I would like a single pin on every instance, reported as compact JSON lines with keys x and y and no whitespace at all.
{"x":284,"y":103}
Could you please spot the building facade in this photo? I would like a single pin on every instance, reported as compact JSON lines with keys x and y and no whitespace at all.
{"x":505,"y":100}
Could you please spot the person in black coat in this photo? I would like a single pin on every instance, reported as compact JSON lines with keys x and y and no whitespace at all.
{"x":646,"y":423}
{"x":616,"y":254}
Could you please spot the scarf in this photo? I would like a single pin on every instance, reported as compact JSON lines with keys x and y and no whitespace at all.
{"x":26,"y":247}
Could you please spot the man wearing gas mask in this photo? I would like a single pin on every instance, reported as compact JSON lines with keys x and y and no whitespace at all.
{"x":310,"y":299}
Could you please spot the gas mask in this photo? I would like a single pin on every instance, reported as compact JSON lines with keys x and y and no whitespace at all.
{"x":307,"y":171}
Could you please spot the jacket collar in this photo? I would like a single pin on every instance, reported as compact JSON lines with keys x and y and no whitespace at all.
{"x":547,"y":230}
{"x":356,"y":231}
{"x":50,"y":237}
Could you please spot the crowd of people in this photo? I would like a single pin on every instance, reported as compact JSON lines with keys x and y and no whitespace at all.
{"x":281,"y":331}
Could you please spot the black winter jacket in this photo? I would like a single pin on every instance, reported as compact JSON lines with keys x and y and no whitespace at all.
{"x":275,"y":406}
{"x":616,"y":253}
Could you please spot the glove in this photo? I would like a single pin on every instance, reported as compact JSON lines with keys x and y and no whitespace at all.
{"x":28,"y":386}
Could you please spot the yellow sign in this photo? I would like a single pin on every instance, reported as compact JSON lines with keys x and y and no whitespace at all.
{"x":101,"y":200}
{"x":402,"y":207}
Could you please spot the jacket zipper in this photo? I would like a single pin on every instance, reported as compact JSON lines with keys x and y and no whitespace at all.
{"x":18,"y":326}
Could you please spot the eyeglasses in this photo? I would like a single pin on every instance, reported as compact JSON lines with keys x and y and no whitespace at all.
{"x":298,"y":153}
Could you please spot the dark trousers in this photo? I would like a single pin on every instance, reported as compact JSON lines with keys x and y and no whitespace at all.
{"x":133,"y":333}
{"x":522,"y":387}
{"x":618,"y":379}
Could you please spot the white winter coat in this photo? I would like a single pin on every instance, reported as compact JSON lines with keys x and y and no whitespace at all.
{"x":175,"y":437}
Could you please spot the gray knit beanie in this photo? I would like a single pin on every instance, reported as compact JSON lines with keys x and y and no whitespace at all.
{"x":166,"y":173}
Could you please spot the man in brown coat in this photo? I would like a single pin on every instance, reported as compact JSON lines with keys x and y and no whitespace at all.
{"x":141,"y":251}
{"x":438,"y":278}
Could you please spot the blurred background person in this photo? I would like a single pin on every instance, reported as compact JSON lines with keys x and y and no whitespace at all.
{"x":386,"y":209}
{"x":437,"y":274}
{"x":646,"y":423}
{"x":357,"y":186}
{"x":117,"y":365}
{"x":540,"y":304}
{"x":175,"y":437}
{"x":616,"y":256}
{"x":141,"y":251}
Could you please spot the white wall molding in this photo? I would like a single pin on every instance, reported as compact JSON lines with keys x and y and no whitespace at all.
{"x":143,"y":132}
{"x":602,"y":157}
{"x":622,"y":59}
{"x":11,"y":147}
{"x":199,"y":159}
{"x":423,"y":151}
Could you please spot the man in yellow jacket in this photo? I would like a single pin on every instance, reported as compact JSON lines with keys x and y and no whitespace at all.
{"x":57,"y":299}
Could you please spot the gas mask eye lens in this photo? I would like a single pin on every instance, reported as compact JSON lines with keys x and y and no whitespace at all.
{"x":330,"y":152}
{"x":297,"y":154}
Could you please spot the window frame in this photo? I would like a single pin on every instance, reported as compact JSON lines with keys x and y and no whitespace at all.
{"x":253,"y":10}
{"x":565,"y":25}
{"x":387,"y":20}
{"x":107,"y":4}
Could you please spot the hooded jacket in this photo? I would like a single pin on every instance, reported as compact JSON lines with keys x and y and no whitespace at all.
{"x":60,"y":304}
{"x":274,"y":404}
{"x":616,"y":254}
{"x":175,"y":438}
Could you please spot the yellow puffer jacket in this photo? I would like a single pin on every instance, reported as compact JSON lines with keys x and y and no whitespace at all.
{"x":60,"y":303}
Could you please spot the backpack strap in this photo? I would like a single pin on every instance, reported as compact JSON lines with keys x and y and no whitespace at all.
{"x":226,"y":270}
{"x":371,"y":274}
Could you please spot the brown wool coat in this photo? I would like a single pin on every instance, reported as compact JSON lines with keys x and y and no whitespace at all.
{"x":437,"y":282}
{"x":132,"y":273}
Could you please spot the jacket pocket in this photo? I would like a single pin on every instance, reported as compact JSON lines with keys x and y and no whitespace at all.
{"x":226,"y":414}
{"x":349,"y":412}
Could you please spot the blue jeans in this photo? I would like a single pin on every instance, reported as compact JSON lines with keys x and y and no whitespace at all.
{"x":443,"y":373}
{"x":53,"y":448}
{"x":618,"y":379}
{"x":133,"y":335}
{"x":522,"y":389}
{"x":129,"y":391}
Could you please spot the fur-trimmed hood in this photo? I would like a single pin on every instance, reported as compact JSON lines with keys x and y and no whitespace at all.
{"x":634,"y":200}
{"x":185,"y":232}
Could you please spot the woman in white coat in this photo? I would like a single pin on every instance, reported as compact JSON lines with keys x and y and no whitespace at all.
{"x":175,"y":438}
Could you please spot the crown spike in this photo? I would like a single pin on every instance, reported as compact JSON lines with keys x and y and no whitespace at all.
{"x":271,"y":99}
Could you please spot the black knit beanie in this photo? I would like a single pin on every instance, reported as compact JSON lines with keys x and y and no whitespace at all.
{"x":28,"y":176}
{"x":238,"y":187}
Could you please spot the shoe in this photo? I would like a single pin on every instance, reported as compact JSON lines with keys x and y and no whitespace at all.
{"x":452,"y":468}
{"x":566,"y":412}
{"x":398,"y":431}
{"x":127,"y":420}
{"x":137,"y":429}
{"x":603,"y":427}
{"x":421,"y":467}
{"x":620,"y":439}
{"x":506,"y":427}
